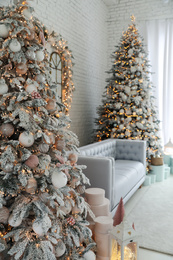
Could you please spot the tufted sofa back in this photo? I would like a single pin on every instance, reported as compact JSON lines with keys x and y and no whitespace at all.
{"x":106,"y":148}
{"x":126,"y":151}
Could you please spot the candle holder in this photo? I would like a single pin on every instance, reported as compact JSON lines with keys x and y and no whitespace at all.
{"x":124,"y":244}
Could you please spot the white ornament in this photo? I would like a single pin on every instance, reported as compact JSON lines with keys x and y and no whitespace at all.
{"x":26,"y":139}
{"x":30,"y":88}
{"x":127,"y":89}
{"x":40,"y":55}
{"x":133,"y":69}
{"x":27,"y":13}
{"x":3,"y":88}
{"x":15,"y":45}
{"x":121,"y":126}
{"x":4,"y":31}
{"x":60,"y":248}
{"x":14,"y":223}
{"x":67,"y":207}
{"x":89,"y":255}
{"x":59,"y":179}
{"x":41,"y":227}
{"x":30,"y":55}
{"x":40,"y":78}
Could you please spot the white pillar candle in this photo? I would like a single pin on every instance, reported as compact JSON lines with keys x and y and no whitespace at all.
{"x":103,"y":244}
{"x":103,"y":224}
{"x":102,"y":209}
{"x":95,"y":196}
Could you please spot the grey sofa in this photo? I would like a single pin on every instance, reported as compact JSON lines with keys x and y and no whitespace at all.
{"x":117,"y":166}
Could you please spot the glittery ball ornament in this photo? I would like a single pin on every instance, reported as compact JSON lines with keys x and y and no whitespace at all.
{"x":15,"y":45}
{"x":41,"y":227}
{"x":30,"y":36}
{"x":30,"y":88}
{"x":89,"y":255}
{"x":40,"y":55}
{"x":30,"y":55}
{"x":3,"y":88}
{"x":44,"y":148}
{"x":7,"y":129}
{"x":59,"y":144}
{"x":32,"y":161}
{"x":31,"y":186}
{"x":60,"y":248}
{"x":51,"y":105}
{"x":71,"y":221}
{"x":8,"y":167}
{"x":35,"y":95}
{"x":4,"y":31}
{"x":67,"y":207}
{"x":40,"y":78}
{"x":26,"y":12}
{"x":21,"y":68}
{"x":4,"y":215}
{"x":26,"y":139}
{"x":59,"y":179}
{"x":73,"y":158}
{"x":81,"y":189}
{"x":14,"y":222}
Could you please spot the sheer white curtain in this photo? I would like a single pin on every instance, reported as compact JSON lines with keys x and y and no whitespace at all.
{"x":158,"y":37}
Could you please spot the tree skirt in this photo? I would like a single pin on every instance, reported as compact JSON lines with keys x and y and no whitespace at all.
{"x":153,"y":217}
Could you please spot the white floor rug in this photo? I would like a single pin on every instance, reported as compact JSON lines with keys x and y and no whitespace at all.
{"x":153,"y":217}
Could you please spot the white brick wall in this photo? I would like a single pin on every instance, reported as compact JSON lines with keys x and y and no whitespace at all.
{"x":83,"y":24}
{"x":119,"y":17}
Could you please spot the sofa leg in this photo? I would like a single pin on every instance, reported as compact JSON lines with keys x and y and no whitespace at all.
{"x":140,"y":186}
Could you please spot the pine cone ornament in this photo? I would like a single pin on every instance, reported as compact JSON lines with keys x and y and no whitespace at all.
{"x":71,"y":221}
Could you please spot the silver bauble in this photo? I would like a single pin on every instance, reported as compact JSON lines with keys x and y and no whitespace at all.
{"x":44,"y":148}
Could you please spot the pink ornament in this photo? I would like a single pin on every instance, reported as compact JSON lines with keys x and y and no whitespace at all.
{"x":73,"y":158}
{"x":35,"y":95}
{"x":30,"y":36}
{"x":71,"y":221}
{"x":21,"y":68}
{"x":7,"y":129}
{"x":60,"y":159}
{"x":41,"y":36}
{"x":44,"y":148}
{"x":32,"y":161}
{"x":59,"y":144}
{"x":4,"y":215}
{"x":119,"y":214}
{"x":51,"y":105}
{"x":31,"y":186}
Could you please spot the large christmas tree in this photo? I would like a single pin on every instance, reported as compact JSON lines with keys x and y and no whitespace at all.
{"x":42,"y":212}
{"x":128,"y":107}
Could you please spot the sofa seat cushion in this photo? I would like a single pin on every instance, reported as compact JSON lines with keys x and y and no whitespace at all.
{"x":126,"y":175}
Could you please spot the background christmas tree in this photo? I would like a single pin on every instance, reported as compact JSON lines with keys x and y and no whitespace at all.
{"x":128,"y":110}
{"x":42,"y":212}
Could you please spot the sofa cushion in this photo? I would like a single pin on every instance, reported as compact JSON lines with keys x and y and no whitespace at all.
{"x":130,"y":150}
{"x":126,"y":175}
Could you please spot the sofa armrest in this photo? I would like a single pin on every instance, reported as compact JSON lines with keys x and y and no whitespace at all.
{"x":99,"y":171}
{"x":131,"y":150}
